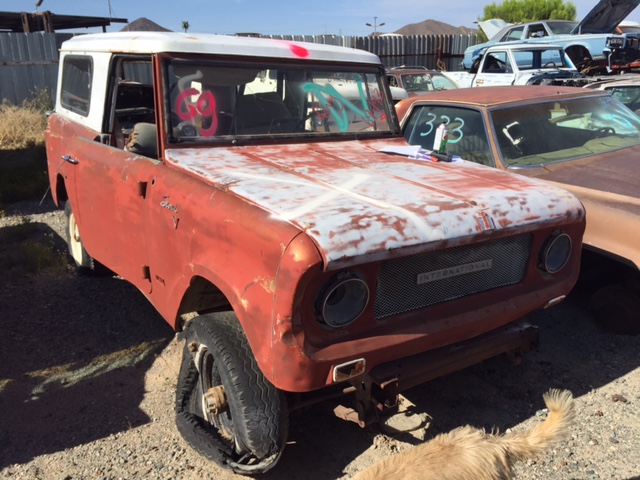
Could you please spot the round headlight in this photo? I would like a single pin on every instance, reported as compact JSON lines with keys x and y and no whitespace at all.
{"x":342,"y":300}
{"x":555,"y":252}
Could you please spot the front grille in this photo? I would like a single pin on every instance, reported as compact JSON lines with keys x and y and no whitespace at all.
{"x":418,"y":281}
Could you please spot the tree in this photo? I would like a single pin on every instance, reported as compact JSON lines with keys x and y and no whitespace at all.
{"x":185,"y":26}
{"x":520,"y":11}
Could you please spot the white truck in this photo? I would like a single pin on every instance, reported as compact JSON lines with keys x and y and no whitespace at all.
{"x":520,"y":64}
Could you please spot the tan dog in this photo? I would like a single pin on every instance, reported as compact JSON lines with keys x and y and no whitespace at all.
{"x":467,"y":453}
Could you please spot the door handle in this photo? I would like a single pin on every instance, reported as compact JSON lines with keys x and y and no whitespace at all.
{"x":68,"y":158}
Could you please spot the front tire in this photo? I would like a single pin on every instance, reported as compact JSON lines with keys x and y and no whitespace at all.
{"x":226,"y":409}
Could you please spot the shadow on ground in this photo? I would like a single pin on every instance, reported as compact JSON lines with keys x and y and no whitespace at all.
{"x":73,"y":354}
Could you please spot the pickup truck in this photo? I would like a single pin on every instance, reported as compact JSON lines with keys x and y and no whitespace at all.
{"x":520,"y":64}
{"x":261,"y":196}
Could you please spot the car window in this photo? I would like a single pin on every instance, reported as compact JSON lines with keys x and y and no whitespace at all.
{"x":536,"y":30}
{"x":551,"y":132}
{"x":426,"y":82}
{"x":75,"y":92}
{"x":497,"y":62}
{"x":513,"y":34}
{"x":213,"y":101}
{"x":467,"y":134}
{"x":559,"y":27}
{"x":629,"y":95}
{"x":530,"y":59}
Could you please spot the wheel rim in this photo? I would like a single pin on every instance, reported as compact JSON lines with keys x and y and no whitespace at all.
{"x":75,"y":243}
{"x":210,"y":381}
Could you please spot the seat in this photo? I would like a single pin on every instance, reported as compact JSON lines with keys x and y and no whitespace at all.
{"x":473,"y":148}
{"x":263,"y":113}
{"x":144,"y":140}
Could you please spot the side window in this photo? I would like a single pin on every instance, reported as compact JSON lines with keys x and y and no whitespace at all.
{"x":497,"y":62}
{"x":393,"y":81}
{"x":536,"y":31}
{"x":134,"y":120}
{"x":513,"y":34}
{"x":77,"y":73}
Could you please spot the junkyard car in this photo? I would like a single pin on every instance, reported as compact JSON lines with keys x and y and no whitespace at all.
{"x":581,"y":139}
{"x":520,"y":64}
{"x":591,"y":40}
{"x":625,"y":88}
{"x":245,"y":181}
{"x":418,"y":80}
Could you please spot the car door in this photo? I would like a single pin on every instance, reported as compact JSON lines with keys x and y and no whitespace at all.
{"x":110,"y":194}
{"x":496,"y":70}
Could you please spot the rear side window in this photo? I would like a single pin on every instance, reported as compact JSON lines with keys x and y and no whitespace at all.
{"x":77,"y":73}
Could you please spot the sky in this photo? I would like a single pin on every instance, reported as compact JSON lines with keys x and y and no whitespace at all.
{"x":278,"y":17}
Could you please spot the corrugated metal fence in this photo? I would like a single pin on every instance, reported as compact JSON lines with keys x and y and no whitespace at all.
{"x":29,"y":61}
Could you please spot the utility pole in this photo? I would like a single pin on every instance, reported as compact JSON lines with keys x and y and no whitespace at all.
{"x":375,"y":25}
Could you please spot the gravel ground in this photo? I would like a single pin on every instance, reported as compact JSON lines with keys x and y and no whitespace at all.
{"x":88,"y":372}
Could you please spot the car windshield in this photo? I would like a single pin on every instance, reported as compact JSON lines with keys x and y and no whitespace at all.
{"x":426,"y":82}
{"x":556,"y":131}
{"x":629,"y":95}
{"x":213,"y":101}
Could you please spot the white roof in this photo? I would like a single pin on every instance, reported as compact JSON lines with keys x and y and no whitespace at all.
{"x":524,"y":46}
{"x":158,"y":42}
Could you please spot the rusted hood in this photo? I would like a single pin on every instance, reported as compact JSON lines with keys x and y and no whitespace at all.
{"x":353,"y":200}
{"x":614,"y":175}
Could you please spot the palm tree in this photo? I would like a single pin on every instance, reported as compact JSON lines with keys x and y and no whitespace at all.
{"x":185,"y":26}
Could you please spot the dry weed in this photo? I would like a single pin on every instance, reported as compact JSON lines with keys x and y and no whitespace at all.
{"x":22,"y":126}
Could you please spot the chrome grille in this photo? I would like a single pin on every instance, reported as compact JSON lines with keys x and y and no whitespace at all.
{"x":418,"y":281}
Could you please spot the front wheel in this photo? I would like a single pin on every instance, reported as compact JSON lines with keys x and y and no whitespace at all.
{"x":226,"y":409}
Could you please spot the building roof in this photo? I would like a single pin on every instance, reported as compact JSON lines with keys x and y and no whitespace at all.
{"x":51,"y":22}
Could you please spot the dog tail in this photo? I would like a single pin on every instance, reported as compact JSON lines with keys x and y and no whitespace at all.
{"x":528,"y":444}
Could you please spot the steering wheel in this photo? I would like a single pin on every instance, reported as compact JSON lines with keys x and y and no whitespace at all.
{"x":605,"y":131}
{"x":550,"y":64}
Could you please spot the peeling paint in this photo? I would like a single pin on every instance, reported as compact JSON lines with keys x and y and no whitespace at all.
{"x":355,"y":201}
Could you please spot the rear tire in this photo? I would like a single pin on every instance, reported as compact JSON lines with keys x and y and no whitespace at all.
{"x":85,"y":262}
{"x":248,"y":433}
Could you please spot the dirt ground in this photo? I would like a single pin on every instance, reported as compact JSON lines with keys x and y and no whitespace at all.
{"x":88,"y":372}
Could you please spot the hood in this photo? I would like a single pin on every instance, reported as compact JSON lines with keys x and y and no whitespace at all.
{"x":614,"y":175}
{"x":493,"y":26}
{"x":606,"y":16}
{"x":352,"y":200}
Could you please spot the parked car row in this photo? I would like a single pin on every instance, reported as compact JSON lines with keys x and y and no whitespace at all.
{"x":593,"y":41}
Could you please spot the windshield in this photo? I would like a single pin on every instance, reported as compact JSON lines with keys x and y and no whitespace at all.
{"x":426,"y":82}
{"x":211,"y":101}
{"x":552,"y":132}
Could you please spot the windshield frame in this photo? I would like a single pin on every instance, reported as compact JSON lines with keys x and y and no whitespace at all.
{"x":333,"y":105}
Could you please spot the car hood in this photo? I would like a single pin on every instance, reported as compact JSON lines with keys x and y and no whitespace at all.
{"x":353,"y":200}
{"x":605,"y":16}
{"x":613,"y":175}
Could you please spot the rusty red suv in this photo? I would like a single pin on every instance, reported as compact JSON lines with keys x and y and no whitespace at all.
{"x":260,"y":194}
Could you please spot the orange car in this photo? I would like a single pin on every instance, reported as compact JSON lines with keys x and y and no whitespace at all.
{"x":583,"y":140}
{"x":242,"y":185}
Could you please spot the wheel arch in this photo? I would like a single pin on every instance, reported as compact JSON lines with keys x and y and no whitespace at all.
{"x":59,"y":190}
{"x":578,"y":52}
